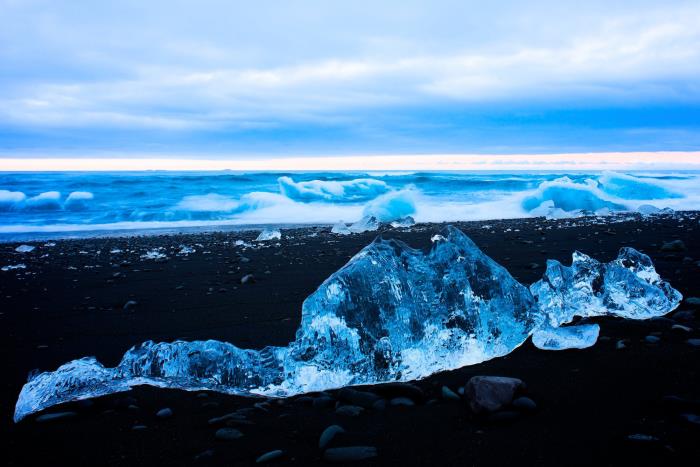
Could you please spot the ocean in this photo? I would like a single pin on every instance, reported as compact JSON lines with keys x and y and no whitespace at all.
{"x":67,"y":204}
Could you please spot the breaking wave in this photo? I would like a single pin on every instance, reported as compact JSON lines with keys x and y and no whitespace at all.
{"x":361,"y":189}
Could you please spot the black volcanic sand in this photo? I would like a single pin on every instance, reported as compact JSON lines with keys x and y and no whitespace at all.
{"x":69,"y":303}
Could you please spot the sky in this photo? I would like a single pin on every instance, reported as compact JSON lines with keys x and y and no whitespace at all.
{"x":270,"y":79}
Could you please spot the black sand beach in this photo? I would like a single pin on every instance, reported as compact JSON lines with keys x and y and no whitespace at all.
{"x":603,"y":405}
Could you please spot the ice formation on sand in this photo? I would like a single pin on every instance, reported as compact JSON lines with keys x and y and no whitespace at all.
{"x":341,"y":228}
{"x":269,"y":234}
{"x":392,"y":313}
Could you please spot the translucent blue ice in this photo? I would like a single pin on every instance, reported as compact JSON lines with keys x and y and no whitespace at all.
{"x":392,"y":313}
{"x":567,"y":337}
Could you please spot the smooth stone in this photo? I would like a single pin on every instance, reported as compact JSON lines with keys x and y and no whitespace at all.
{"x":652,"y":339}
{"x":674,"y":245}
{"x":131,"y":304}
{"x":349,"y":410}
{"x":164,"y":413}
{"x":691,"y":418}
{"x":694,"y":301}
{"x":503,"y":416}
{"x":139,"y":427}
{"x":619,"y":345}
{"x":401,"y":401}
{"x":491,"y":393}
{"x":328,"y":435}
{"x":379,"y":404}
{"x":525,"y":404}
{"x":684,"y":315}
{"x":227,"y":434}
{"x":681,"y":404}
{"x":362,"y":398}
{"x":48,"y":417}
{"x":350,"y":453}
{"x":396,"y":389}
{"x":694,"y":342}
{"x":680,"y":327}
{"x":449,"y":395}
{"x":248,"y":279}
{"x":642,"y":437}
{"x":269,"y":456}
{"x":323,"y":402}
{"x":224,"y":418}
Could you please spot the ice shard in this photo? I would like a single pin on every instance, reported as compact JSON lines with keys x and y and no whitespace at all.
{"x":269,"y":234}
{"x":566,"y":337}
{"x":392,"y":313}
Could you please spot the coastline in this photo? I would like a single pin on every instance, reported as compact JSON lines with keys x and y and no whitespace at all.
{"x":70,"y":304}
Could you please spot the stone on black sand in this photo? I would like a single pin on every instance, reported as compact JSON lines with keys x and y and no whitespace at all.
{"x":228,"y":434}
{"x":269,"y":456}
{"x":248,"y":279}
{"x":323,"y":402}
{"x":691,"y":418}
{"x":652,"y":339}
{"x":525,"y":404}
{"x":164,"y":413}
{"x":401,"y":402}
{"x":503,"y":416}
{"x":49,"y":417}
{"x":449,"y":395}
{"x":350,"y":453}
{"x":693,"y":301}
{"x":328,"y":434}
{"x":491,"y":393}
{"x":362,"y":398}
{"x":130,"y":305}
{"x":694,"y":342}
{"x":349,"y":410}
{"x":673,"y":245}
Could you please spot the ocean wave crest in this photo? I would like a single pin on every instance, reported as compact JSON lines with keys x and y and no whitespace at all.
{"x":360,"y":189}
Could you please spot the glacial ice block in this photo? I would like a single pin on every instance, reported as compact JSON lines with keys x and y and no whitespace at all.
{"x":392,"y":313}
{"x":567,"y":337}
{"x":628,"y":287}
{"x":269,"y":234}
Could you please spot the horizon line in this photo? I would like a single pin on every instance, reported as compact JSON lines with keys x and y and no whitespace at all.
{"x":646,"y":160}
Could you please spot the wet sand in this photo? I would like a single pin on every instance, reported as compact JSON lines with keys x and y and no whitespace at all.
{"x":69,"y":302}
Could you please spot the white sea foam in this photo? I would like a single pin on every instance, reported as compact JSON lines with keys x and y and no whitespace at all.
{"x":360,"y":189}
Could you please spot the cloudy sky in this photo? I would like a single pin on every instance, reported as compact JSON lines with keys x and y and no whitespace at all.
{"x":301,"y":77}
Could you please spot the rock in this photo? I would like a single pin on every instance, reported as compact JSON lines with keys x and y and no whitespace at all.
{"x":323,"y":402}
{"x":204,"y":455}
{"x":684,"y":315}
{"x":362,"y":398}
{"x":328,"y":435}
{"x":681,"y":404}
{"x":164,"y":413}
{"x":652,"y":339}
{"x":228,"y":434}
{"x":619,"y":345}
{"x":248,"y":279}
{"x":49,"y":417}
{"x":139,"y":427}
{"x":349,"y":410}
{"x":269,"y":456}
{"x":525,"y":404}
{"x":350,"y":453}
{"x":642,"y":438}
{"x":693,"y":301}
{"x":225,"y":418}
{"x":449,"y":395}
{"x":379,"y":404}
{"x":391,"y":390}
{"x":674,"y":245}
{"x":491,"y":393}
{"x":680,"y":327}
{"x":401,"y":401}
{"x":694,"y":342}
{"x":691,"y":418}
{"x":130,"y":305}
{"x":533,"y":266}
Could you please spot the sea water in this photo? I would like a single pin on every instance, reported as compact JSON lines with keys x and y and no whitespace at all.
{"x":36,"y":205}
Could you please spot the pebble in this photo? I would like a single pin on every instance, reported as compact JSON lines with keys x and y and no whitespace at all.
{"x":401,"y":401}
{"x":349,"y":410}
{"x":680,"y":327}
{"x":139,"y":427}
{"x":248,"y":279}
{"x":323,"y":402}
{"x":525,"y":403}
{"x":362,"y":398}
{"x":164,"y":413}
{"x":130,"y":305}
{"x":694,"y":301}
{"x":694,"y":342}
{"x":328,"y":435}
{"x":503,"y":416}
{"x":48,"y":417}
{"x":269,"y":456}
{"x":691,"y":418}
{"x":674,"y":245}
{"x":642,"y":437}
{"x":449,"y":395}
{"x":227,"y":434}
{"x":350,"y":453}
{"x":619,"y":345}
{"x":652,"y":339}
{"x":380,"y":404}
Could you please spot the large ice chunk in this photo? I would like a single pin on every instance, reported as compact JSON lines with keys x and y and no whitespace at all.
{"x":269,"y":234}
{"x":392,"y":313}
{"x":628,"y":287}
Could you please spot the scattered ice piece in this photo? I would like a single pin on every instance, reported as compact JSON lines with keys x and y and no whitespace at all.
{"x":115,"y":251}
{"x":155,"y":253}
{"x":603,"y":212}
{"x":437,"y":238}
{"x":366,"y":224}
{"x":50,"y":244}
{"x":404,"y":222}
{"x":648,"y":209}
{"x":568,"y":337}
{"x":12,"y":267}
{"x":269,"y":234}
{"x":341,"y":229}
{"x":243,"y":244}
{"x":185,"y":250}
{"x":24,"y":249}
{"x":486,"y":226}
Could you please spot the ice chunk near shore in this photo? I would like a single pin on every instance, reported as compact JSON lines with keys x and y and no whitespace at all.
{"x":392,"y":313}
{"x":567,"y":337}
{"x":269,"y":234}
{"x":628,"y":287}
{"x":648,"y":209}
{"x":341,"y":228}
{"x":366,"y":224}
{"x":154,"y":254}
{"x":403,"y":222}
{"x":12,"y":267}
{"x":24,"y":249}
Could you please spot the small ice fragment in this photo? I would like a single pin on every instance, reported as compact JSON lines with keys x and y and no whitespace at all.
{"x":602,"y":212}
{"x":341,"y":229}
{"x":486,"y":226}
{"x":366,"y":224}
{"x":404,"y":222}
{"x":115,"y":251}
{"x":24,"y":249}
{"x":154,"y":254}
{"x":569,"y":337}
{"x":648,"y":209}
{"x":14,"y":266}
{"x":269,"y":234}
{"x":50,"y":244}
{"x":437,"y":238}
{"x":185,"y":250}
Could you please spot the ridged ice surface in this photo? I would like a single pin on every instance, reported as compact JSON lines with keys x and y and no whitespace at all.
{"x":392,"y":313}
{"x":567,"y":337}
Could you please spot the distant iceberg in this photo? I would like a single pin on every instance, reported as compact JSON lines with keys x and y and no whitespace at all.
{"x":392,"y":313}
